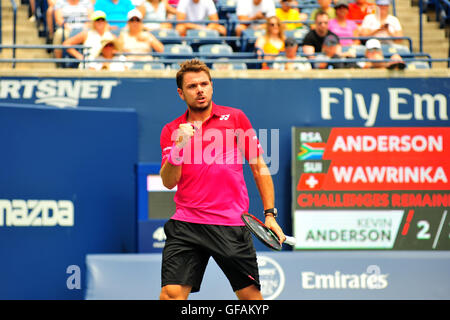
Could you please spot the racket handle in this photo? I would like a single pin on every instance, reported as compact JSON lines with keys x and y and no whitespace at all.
{"x":290,"y":241}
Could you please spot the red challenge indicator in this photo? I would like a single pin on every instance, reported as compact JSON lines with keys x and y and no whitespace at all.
{"x":408,"y":222}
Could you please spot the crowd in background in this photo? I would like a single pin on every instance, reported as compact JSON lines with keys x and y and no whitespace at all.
{"x":118,"y":31}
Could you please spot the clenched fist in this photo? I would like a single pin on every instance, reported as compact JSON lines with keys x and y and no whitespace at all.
{"x":184,"y":134}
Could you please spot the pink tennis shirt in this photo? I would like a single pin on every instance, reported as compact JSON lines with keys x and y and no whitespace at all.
{"x":212,"y":188}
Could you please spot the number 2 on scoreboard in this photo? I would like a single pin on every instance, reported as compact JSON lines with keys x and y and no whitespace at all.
{"x":424,"y":227}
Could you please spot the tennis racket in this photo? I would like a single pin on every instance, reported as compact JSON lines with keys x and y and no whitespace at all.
{"x":263,"y":233}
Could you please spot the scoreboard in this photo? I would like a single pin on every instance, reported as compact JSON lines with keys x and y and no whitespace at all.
{"x":371,"y":188}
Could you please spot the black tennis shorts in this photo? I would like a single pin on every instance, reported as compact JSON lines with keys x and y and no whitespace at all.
{"x":189,"y":246}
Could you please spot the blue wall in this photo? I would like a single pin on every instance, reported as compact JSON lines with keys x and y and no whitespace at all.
{"x":85,"y":158}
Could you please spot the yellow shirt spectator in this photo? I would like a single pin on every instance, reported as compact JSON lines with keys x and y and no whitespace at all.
{"x":287,"y":13}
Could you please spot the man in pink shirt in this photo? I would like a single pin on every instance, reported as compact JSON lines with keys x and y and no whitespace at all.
{"x":202,"y":154}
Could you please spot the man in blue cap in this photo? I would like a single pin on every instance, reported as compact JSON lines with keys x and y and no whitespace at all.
{"x":332,"y":50}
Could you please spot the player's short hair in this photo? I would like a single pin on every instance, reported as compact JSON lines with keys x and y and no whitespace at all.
{"x":193,"y":65}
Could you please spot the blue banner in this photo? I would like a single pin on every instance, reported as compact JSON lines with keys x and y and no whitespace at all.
{"x":67,"y":188}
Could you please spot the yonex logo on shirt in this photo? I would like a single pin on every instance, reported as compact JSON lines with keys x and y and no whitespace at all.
{"x":224,"y":117}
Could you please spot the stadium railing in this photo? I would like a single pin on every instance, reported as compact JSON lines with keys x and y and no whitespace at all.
{"x":14,"y":31}
{"x":209,"y":58}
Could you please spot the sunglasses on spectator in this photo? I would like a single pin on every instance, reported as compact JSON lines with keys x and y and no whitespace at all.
{"x":100,"y":19}
{"x":135,"y":20}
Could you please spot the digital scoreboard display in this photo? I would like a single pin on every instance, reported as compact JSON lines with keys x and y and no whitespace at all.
{"x":371,"y":188}
{"x":160,"y":199}
{"x":154,"y":200}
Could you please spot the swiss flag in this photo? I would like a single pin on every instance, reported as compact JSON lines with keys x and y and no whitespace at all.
{"x":311,"y":181}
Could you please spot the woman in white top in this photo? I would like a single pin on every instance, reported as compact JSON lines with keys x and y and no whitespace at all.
{"x":381,"y":24}
{"x":135,"y":39}
{"x":91,"y":38}
{"x":156,"y":10}
{"x":70,"y":15}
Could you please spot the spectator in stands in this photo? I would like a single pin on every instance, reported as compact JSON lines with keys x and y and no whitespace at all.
{"x":71,"y":17}
{"x":287,"y":13}
{"x":342,"y":26}
{"x":174,"y":3}
{"x":381,"y":24}
{"x":312,"y":43}
{"x":272,"y":41}
{"x":359,"y":9}
{"x":291,"y":53}
{"x":156,"y":10}
{"x":374,"y":52}
{"x":198,"y":10}
{"x":117,"y":11}
{"x":325,"y":6}
{"x":49,"y":19}
{"x":135,"y":39}
{"x":331,"y":49}
{"x":224,"y":64}
{"x":32,"y":11}
{"x":112,"y":62}
{"x":91,"y":37}
{"x":253,"y":11}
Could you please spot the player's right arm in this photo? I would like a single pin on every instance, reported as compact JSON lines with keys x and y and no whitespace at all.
{"x":172,"y":155}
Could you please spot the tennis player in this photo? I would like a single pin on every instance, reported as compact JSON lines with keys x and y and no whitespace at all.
{"x":202,"y":154}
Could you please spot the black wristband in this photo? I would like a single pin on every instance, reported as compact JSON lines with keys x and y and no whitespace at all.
{"x":271,"y":211}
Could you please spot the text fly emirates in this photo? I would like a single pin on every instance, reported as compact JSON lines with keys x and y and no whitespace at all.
{"x":419,"y":144}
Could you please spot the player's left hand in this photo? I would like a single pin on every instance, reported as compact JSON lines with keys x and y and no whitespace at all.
{"x":272,"y":224}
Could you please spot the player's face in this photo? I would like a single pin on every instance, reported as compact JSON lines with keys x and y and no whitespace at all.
{"x":196,"y":91}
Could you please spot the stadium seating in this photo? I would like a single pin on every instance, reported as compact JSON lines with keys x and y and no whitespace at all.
{"x":414,"y":65}
{"x":224,"y":64}
{"x":66,"y":55}
{"x":360,"y":50}
{"x":249,"y":37}
{"x":167,"y":36}
{"x":443,"y":12}
{"x":148,"y":66}
{"x":215,"y":50}
{"x":178,"y":51}
{"x":297,"y":34}
{"x":199,"y":37}
{"x":390,"y":49}
{"x":225,"y":8}
{"x":245,"y":44}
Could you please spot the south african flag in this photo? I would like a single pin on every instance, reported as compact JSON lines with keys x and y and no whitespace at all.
{"x":311,"y":151}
